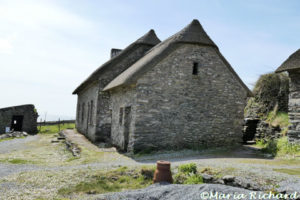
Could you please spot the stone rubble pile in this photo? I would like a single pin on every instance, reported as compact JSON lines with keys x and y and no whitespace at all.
{"x":75,"y":150}
{"x":234,"y":182}
{"x":164,"y":191}
{"x":14,"y":134}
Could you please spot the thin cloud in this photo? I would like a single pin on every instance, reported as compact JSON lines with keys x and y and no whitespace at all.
{"x":6,"y":46}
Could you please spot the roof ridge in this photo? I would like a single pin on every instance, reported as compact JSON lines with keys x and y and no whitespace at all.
{"x":149,"y":38}
{"x":194,"y":33}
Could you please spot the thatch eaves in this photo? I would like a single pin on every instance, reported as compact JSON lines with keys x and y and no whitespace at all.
{"x":292,"y":63}
{"x":193,"y":34}
{"x":149,"y":39}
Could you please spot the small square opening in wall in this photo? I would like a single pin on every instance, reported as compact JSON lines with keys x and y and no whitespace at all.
{"x":195,"y":68}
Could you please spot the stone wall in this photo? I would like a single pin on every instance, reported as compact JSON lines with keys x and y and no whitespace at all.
{"x":176,"y":109}
{"x":29,"y":122}
{"x":103,"y":110}
{"x":84,"y":112}
{"x":294,"y":107}
{"x":100,"y":130}
{"x":123,"y":101}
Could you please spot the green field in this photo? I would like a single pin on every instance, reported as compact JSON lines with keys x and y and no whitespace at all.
{"x":50,"y":129}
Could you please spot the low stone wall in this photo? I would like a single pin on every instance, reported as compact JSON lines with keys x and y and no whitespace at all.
{"x":265,"y":130}
{"x":255,"y":128}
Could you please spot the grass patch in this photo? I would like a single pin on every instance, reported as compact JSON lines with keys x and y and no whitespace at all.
{"x":112,"y":181}
{"x":11,"y":138}
{"x":188,"y":168}
{"x":279,"y":147}
{"x":289,"y":162}
{"x":51,"y":129}
{"x":187,"y":174}
{"x":194,"y":179}
{"x":17,"y":161}
{"x":289,"y":171}
{"x":278,"y":119}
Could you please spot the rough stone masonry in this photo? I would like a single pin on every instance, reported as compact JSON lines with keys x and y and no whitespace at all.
{"x":18,"y":118}
{"x":292,"y":66}
{"x":180,"y":93}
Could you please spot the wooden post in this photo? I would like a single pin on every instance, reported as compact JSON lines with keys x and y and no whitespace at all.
{"x":41,"y":125}
{"x":58,"y":124}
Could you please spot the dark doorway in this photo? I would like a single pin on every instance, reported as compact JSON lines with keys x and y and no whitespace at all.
{"x":17,"y":122}
{"x":249,"y":131}
{"x":127,"y":121}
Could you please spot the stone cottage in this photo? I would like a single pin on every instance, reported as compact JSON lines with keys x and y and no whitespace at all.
{"x":93,"y":117}
{"x":179,"y":93}
{"x":292,"y":66}
{"x":18,"y":118}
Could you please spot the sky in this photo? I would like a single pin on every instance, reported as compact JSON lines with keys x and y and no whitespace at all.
{"x":47,"y":48}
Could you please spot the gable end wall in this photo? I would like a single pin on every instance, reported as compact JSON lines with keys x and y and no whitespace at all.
{"x":176,"y":109}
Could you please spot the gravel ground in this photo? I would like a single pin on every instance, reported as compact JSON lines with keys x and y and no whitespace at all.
{"x":187,"y":192}
{"x":16,"y":144}
{"x":232,"y":162}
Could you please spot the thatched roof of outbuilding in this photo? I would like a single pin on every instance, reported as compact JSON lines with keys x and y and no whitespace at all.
{"x":193,"y":34}
{"x":149,"y":39}
{"x":292,"y":63}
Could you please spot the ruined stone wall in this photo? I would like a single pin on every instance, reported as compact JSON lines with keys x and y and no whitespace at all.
{"x":29,"y":118}
{"x":103,"y":105}
{"x":294,"y":107}
{"x":122,"y":100}
{"x":84,"y":124}
{"x":176,"y":109}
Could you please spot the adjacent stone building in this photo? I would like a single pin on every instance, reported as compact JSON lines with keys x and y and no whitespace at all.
{"x":93,"y":117}
{"x":18,"y":118}
{"x":292,"y":66}
{"x":181,"y":93}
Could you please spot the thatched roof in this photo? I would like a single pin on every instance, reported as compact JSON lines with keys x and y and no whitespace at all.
{"x":193,"y":34}
{"x":149,"y":39}
{"x":293,"y":62}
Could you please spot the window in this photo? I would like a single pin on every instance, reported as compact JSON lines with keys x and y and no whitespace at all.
{"x":195,"y":68}
{"x":121,"y":116}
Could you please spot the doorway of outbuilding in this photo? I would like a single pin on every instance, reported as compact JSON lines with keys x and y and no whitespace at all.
{"x":17,"y":123}
{"x":249,"y":131}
